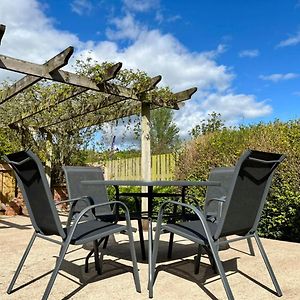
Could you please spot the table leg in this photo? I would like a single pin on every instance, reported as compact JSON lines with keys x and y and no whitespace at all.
{"x":150,"y":271}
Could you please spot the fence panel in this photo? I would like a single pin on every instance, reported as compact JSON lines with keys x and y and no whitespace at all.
{"x":7,"y":184}
{"x":162,"y":166}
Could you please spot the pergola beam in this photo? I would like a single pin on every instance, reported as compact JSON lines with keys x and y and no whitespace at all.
{"x":80,"y":112}
{"x":108,"y":101}
{"x":53,"y":64}
{"x":122,"y":109}
{"x":152,"y":84}
{"x":110,"y":73}
{"x":37,"y":70}
{"x":104,"y":115}
{"x":185,"y":95}
{"x":2,"y":31}
{"x":45,"y":106}
{"x":126,"y":101}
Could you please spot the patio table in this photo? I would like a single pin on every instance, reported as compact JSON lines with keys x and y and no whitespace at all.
{"x":151,"y":194}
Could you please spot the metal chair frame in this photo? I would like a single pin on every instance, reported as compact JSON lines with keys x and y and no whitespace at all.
{"x":211,"y":240}
{"x":55,"y":228}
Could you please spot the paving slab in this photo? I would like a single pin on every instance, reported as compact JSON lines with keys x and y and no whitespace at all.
{"x":247,"y":274}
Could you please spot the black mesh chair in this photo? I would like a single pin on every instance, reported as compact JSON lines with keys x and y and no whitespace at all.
{"x":98,"y":194}
{"x":215,"y":197}
{"x":240,"y":214}
{"x":32,"y":181}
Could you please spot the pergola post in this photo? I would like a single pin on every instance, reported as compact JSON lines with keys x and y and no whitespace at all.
{"x":145,"y":153}
{"x":49,"y":154}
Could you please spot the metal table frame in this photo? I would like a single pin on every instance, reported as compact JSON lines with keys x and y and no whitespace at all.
{"x":150,"y":194}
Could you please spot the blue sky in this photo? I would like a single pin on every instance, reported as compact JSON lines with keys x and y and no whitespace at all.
{"x":242,"y":55}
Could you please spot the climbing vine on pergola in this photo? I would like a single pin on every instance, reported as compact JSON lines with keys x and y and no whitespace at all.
{"x":80,"y":100}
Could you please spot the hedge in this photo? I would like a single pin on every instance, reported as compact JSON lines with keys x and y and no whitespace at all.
{"x":281,"y":215}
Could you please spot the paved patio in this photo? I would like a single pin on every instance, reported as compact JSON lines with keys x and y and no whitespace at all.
{"x":247,"y":275}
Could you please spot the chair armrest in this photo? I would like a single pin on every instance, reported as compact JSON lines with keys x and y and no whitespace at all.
{"x":118,"y":203}
{"x":84,"y":198}
{"x":200,"y":216}
{"x":195,"y":209}
{"x":85,"y":210}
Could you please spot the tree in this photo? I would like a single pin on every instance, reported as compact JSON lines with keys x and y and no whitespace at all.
{"x":164,"y":132}
{"x":8,"y":142}
{"x":212,"y":124}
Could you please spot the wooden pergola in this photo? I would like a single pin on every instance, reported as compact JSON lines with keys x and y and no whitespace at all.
{"x":115,"y":101}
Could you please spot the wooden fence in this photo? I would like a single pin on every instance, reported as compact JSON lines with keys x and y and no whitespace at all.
{"x":128,"y":169}
{"x":7,"y":183}
{"x":162,"y":167}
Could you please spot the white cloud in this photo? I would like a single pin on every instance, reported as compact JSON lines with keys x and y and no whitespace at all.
{"x":162,"y":54}
{"x":233,"y":108}
{"x":141,"y":5}
{"x":126,"y":28}
{"x":236,"y":106}
{"x":160,"y":17}
{"x":32,"y":36}
{"x":249,"y":53}
{"x":291,"y":41}
{"x":296,"y":93}
{"x":279,"y":77}
{"x":81,"y":7}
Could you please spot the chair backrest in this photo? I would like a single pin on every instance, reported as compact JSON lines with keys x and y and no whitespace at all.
{"x":31,"y":179}
{"x":223,"y":175}
{"x":248,"y":192}
{"x":74,"y":175}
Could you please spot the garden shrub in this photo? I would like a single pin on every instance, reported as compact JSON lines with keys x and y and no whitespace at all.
{"x":281,"y":215}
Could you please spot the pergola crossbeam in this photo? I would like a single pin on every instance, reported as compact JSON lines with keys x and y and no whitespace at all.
{"x":37,"y":70}
{"x":56,"y":62}
{"x":75,"y":92}
{"x":185,"y":95}
{"x":110,"y":73}
{"x":121,"y":110}
{"x":152,"y":84}
{"x":107,"y":102}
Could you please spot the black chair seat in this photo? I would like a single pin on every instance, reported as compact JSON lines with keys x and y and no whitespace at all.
{"x":93,"y":230}
{"x":192,"y":230}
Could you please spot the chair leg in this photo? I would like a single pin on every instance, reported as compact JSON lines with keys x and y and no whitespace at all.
{"x":62,"y":254}
{"x":221,"y":271}
{"x":134,"y":261}
{"x":86,"y":264}
{"x":250,"y":245}
{"x":142,"y":242}
{"x":211,"y":258}
{"x":268,"y":265}
{"x":105,"y":242}
{"x":151,"y":279}
{"x":11,"y":285}
{"x":170,"y":248}
{"x":197,"y":260}
{"x":96,"y":255}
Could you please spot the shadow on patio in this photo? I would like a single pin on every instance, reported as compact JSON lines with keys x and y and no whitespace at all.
{"x":247,"y":275}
